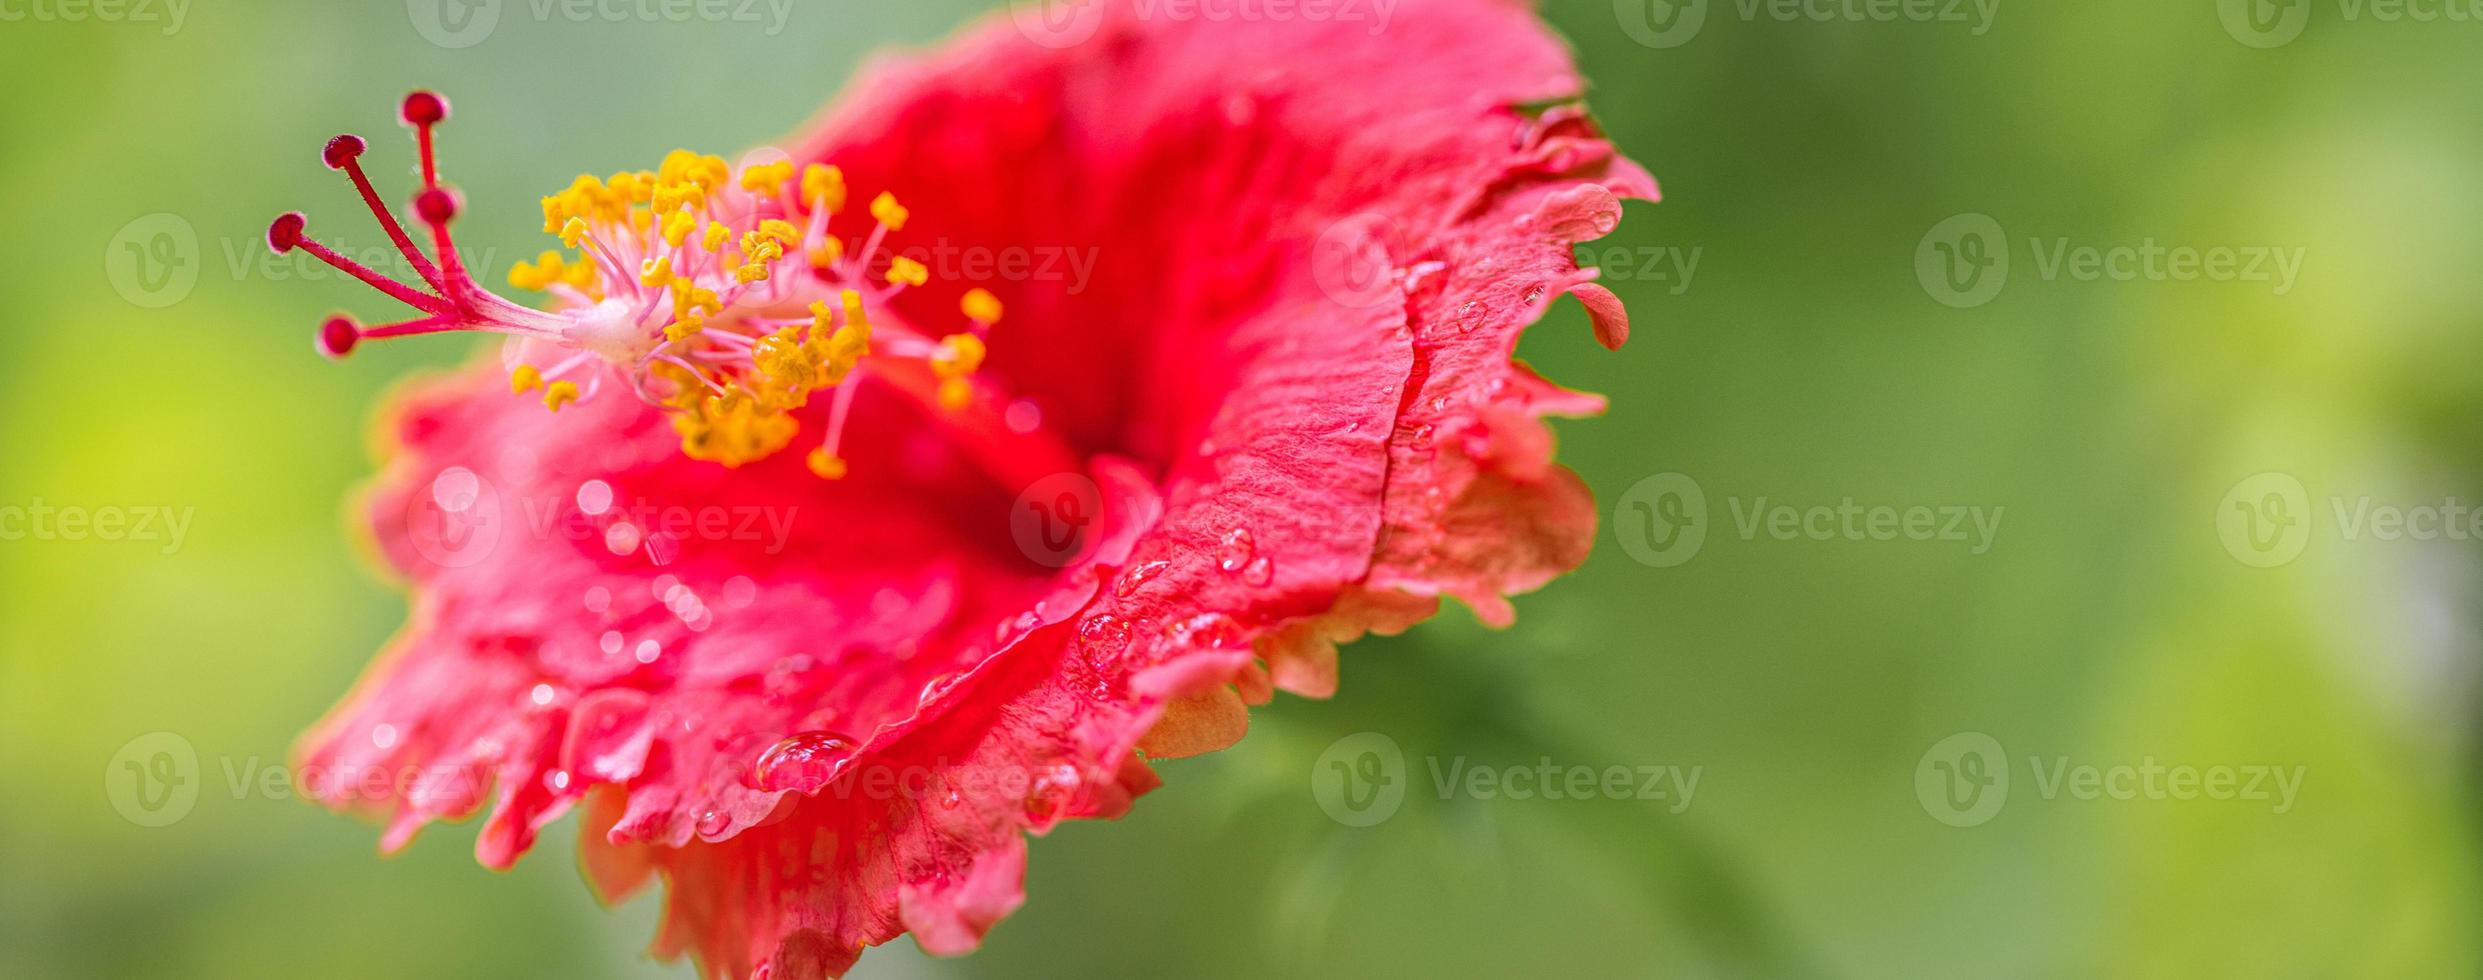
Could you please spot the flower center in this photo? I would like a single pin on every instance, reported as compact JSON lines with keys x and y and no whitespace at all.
{"x":718,"y":293}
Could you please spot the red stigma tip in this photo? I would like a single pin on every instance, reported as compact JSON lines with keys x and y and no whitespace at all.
{"x":285,"y":232}
{"x":436,"y":205}
{"x":341,"y":151}
{"x":337,"y":337}
{"x":422,"y":108}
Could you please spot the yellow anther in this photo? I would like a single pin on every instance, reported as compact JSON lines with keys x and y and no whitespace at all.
{"x":907,"y":271}
{"x":524,"y":379}
{"x":676,"y":195}
{"x":573,"y":231}
{"x":958,"y":355}
{"x":685,"y":328}
{"x":716,"y":236}
{"x":886,"y":211}
{"x":760,"y":247}
{"x":541,"y":273}
{"x":781,"y":231}
{"x":956,"y":394}
{"x":854,"y":315}
{"x":825,"y":254}
{"x":656,"y":271}
{"x":678,"y":226}
{"x":767,"y":179}
{"x":824,"y":465}
{"x":823,"y":187}
{"x":559,"y":393}
{"x":980,"y":306}
{"x":753,"y":272}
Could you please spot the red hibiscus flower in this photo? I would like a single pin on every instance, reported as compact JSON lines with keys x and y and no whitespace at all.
{"x":826,"y":582}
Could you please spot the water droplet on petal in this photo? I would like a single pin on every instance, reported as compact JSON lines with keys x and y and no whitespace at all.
{"x":1138,"y":576}
{"x":1260,"y":571}
{"x":556,"y":780}
{"x":621,"y":538}
{"x":1103,"y":639}
{"x":1051,"y":790}
{"x":802,"y":762}
{"x":611,"y":641}
{"x":384,"y":736}
{"x":1235,"y":550}
{"x":542,"y":694}
{"x":598,"y":599}
{"x":647,"y":651}
{"x":712,"y":823}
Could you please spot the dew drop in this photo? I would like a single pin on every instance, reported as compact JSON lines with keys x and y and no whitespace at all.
{"x":598,"y":599}
{"x":712,"y":823}
{"x":647,"y":651}
{"x":1260,"y":571}
{"x":556,"y":780}
{"x":542,"y":694}
{"x":1103,"y":639}
{"x":610,"y":642}
{"x":384,"y":736}
{"x":1139,"y":576}
{"x":1235,"y":550}
{"x":621,"y":538}
{"x":1051,"y":789}
{"x":802,"y":762}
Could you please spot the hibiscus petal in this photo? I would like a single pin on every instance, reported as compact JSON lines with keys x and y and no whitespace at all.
{"x":1291,"y":263}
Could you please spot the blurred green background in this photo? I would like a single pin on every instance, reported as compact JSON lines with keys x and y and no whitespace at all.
{"x":2119,"y":617}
